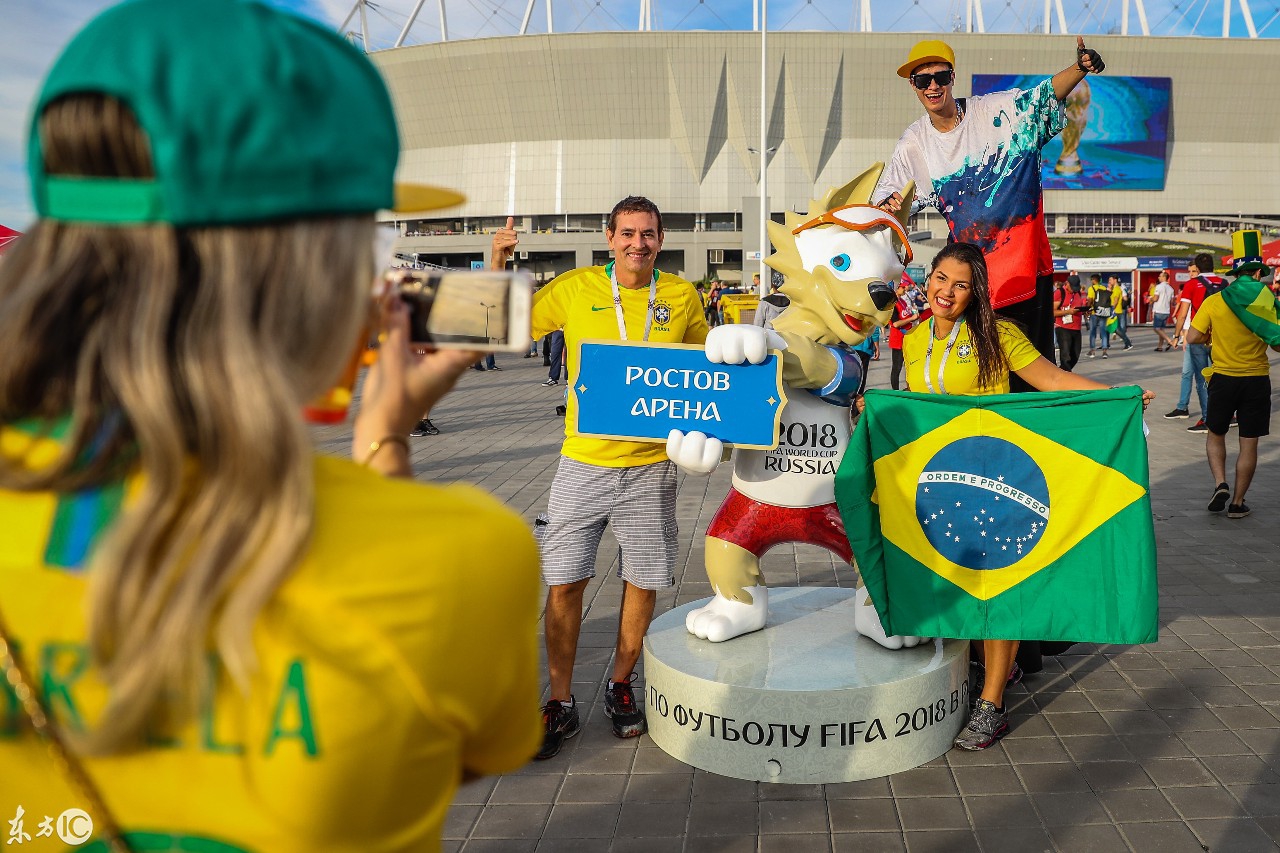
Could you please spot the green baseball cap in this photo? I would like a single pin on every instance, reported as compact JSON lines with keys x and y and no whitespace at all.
{"x":251,"y":113}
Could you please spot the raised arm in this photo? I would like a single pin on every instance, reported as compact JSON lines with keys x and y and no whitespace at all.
{"x":504,"y":245}
{"x":1087,"y":62}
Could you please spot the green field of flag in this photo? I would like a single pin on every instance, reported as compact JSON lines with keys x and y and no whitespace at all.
{"x":1016,"y":516}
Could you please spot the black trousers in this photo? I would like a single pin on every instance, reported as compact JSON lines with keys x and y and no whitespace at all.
{"x":1035,"y":316}
{"x":895,"y":369}
{"x":1068,"y":347}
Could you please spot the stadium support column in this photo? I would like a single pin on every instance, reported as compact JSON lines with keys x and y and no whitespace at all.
{"x":413,"y":16}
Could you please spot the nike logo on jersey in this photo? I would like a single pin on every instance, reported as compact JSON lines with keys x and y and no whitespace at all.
{"x":605,"y":308}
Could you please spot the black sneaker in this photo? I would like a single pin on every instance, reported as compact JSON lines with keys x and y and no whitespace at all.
{"x":549,"y":383}
{"x":620,"y":706}
{"x":1127,"y":347}
{"x":495,"y":367}
{"x":560,"y":722}
{"x":1238,"y":510}
{"x":424,"y":427}
{"x":1198,"y":426}
{"x":1104,"y":354}
{"x":1220,"y":496}
{"x":979,"y":679}
{"x":1178,"y":415}
{"x":987,"y":724}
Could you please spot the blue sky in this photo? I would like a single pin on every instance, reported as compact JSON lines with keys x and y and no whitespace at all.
{"x":34,"y":32}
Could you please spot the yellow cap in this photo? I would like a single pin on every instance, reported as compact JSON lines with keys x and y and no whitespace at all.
{"x":412,"y":198}
{"x":924,"y":52}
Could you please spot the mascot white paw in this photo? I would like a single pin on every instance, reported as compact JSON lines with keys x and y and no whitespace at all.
{"x":867,"y":622}
{"x":695,"y":452}
{"x":738,"y":343}
{"x":723,"y":619}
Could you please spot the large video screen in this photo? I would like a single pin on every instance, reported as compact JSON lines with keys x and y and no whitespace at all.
{"x":1116,"y":136}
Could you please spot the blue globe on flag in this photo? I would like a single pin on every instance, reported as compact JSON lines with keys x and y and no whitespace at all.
{"x":982,"y":502}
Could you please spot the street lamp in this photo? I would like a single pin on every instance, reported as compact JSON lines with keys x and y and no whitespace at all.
{"x":764,"y":203}
{"x":764,"y":142}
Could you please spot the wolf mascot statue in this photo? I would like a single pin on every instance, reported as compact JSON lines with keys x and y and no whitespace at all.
{"x":841,"y":263}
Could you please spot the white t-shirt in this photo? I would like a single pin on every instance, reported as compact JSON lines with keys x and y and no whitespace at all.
{"x":1164,"y":298}
{"x":984,"y":178}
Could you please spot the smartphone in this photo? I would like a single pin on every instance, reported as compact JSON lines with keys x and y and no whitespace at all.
{"x":484,"y":310}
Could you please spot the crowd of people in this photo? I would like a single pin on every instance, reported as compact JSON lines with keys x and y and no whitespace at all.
{"x":273,"y":631}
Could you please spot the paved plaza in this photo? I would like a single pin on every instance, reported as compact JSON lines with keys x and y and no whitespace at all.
{"x":1168,"y":747}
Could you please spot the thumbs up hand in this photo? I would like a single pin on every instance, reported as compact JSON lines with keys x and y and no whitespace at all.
{"x":505,"y":241}
{"x":1087,"y":59}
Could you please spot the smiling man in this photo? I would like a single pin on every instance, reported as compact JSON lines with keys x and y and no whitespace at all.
{"x":629,"y":485}
{"x":977,"y":161}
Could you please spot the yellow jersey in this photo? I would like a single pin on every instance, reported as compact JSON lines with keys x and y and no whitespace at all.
{"x":1236,"y":350}
{"x":959,"y":370}
{"x":581,"y":302}
{"x":399,"y":654}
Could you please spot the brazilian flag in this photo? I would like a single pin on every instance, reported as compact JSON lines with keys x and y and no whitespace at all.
{"x":1006,"y":517}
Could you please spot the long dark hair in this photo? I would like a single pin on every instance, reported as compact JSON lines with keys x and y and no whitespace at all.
{"x":984,"y":323}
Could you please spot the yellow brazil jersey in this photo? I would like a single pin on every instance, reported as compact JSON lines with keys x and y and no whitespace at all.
{"x":400,"y":653}
{"x":1099,"y":293}
{"x":581,"y":302}
{"x":1236,"y":350}
{"x":960,"y":375}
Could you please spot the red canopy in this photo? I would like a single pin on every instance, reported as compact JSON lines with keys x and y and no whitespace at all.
{"x":7,"y":236}
{"x":1270,"y":254}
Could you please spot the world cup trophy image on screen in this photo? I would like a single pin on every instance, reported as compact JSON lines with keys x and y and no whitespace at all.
{"x":1077,"y":107}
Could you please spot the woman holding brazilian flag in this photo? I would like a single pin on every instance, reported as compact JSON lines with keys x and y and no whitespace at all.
{"x":911,"y":461}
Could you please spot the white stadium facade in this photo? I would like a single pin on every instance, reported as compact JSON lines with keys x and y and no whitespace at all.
{"x":554,"y":128}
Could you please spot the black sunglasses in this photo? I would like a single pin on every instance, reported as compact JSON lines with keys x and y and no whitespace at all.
{"x":922,"y":81}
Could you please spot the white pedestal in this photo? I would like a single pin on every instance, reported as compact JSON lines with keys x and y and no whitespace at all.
{"x":806,"y":700}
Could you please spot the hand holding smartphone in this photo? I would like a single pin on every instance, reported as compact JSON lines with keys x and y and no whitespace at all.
{"x":479,"y":310}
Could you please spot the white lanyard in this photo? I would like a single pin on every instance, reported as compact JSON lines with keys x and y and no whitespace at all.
{"x":942,"y":367}
{"x":617,"y":305}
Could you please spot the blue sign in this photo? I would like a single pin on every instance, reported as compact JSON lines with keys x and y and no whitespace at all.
{"x":1060,"y":265}
{"x":1163,"y":263}
{"x":641,"y":392}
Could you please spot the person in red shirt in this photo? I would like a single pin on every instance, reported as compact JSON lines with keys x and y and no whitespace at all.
{"x":906,"y":316}
{"x":1195,"y":357}
{"x":1069,"y":308}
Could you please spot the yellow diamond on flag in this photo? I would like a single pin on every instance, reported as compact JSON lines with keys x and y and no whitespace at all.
{"x":986,"y":503}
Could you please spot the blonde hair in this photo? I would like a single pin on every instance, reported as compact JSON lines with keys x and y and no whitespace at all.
{"x":182,"y":354}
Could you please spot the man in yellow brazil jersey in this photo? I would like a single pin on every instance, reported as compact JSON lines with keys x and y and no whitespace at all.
{"x":630,"y":485}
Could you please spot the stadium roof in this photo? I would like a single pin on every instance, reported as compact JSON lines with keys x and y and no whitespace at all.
{"x":382,"y":24}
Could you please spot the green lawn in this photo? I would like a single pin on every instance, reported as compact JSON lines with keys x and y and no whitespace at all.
{"x":1142,"y":246}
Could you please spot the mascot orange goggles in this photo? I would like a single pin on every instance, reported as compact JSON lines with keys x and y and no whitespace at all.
{"x":859,"y":217}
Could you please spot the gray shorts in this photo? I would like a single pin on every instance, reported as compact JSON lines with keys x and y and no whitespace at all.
{"x":640,"y":504}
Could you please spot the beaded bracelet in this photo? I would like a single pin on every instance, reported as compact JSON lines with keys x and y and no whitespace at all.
{"x":383,"y":442}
